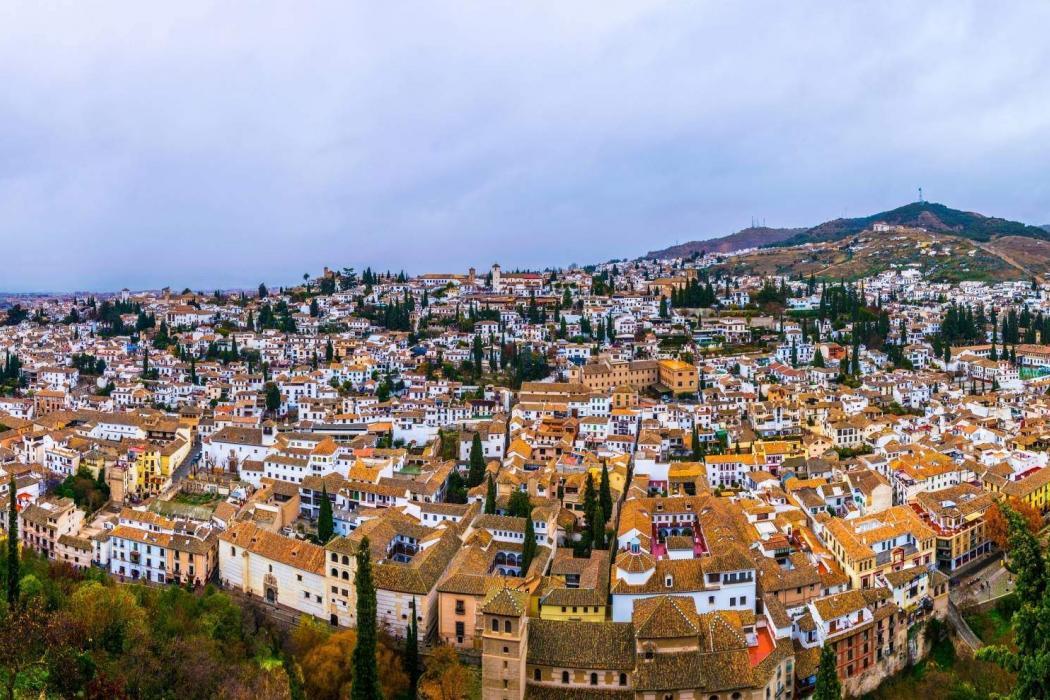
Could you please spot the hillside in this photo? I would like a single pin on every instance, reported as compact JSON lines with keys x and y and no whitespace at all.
{"x":940,"y":257}
{"x":751,"y":237}
{"x":931,"y":216}
{"x":946,"y":244}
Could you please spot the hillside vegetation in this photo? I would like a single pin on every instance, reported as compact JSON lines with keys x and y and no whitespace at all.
{"x":928,"y":215}
{"x":751,"y":237}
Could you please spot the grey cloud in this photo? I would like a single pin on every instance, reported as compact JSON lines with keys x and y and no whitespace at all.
{"x":208,"y":144}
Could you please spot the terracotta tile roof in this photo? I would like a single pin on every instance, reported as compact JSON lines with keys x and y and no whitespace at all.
{"x":603,"y":646}
{"x":663,"y":617}
{"x":504,"y":601}
{"x":285,"y":550}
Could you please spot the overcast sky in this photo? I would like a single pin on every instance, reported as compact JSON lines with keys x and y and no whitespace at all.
{"x":221,"y":144}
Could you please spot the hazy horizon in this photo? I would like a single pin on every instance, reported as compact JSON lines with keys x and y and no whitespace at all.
{"x":222,"y":144}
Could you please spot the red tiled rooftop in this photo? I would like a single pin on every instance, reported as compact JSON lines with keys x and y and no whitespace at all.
{"x":764,"y":647}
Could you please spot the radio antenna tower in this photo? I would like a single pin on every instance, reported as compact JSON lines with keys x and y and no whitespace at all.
{"x":920,"y":195}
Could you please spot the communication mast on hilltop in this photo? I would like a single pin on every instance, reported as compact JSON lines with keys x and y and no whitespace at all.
{"x":920,"y":196}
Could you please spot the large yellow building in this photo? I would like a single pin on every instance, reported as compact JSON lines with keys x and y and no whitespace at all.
{"x":875,"y":544}
{"x":606,"y":374}
{"x":1033,"y":489}
{"x":151,"y":464}
{"x":578,"y":588}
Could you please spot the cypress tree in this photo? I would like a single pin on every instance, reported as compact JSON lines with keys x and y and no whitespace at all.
{"x":605,"y":495}
{"x":828,"y":685}
{"x":528,"y":551}
{"x":365,"y":685}
{"x":325,"y":524}
{"x":695,"y":440}
{"x":13,"y":576}
{"x":590,"y":500}
{"x":490,"y":497}
{"x":477,"y":462}
{"x":411,"y":659}
{"x":598,"y":528}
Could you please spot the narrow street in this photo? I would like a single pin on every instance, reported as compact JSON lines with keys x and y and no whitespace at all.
{"x":183,"y":470}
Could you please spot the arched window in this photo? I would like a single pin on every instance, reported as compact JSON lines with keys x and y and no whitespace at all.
{"x":346,"y":559}
{"x":335,"y":572}
{"x":495,"y":625}
{"x":564,"y":676}
{"x":737,"y":696}
{"x":506,"y":626}
{"x":535,"y":674}
{"x":594,"y":679}
{"x":346,"y":575}
{"x":623,"y":679}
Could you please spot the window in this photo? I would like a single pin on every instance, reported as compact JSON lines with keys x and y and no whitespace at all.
{"x":506,"y":626}
{"x":623,"y":679}
{"x":495,"y":625}
{"x":564,"y":676}
{"x":594,"y":679}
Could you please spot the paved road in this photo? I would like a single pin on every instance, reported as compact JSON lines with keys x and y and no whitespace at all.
{"x":991,"y":581}
{"x":183,"y":469}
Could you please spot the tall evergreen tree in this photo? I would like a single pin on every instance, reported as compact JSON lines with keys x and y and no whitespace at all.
{"x":477,"y":462}
{"x":695,"y":444}
{"x":410,"y":661}
{"x":13,"y":575}
{"x":528,"y":551}
{"x":590,"y":500}
{"x":828,"y":685}
{"x":605,"y":494}
{"x":598,"y":528}
{"x":325,"y":524}
{"x":490,"y":497}
{"x":365,"y":685}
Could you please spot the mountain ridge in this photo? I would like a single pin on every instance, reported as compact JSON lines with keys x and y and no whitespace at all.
{"x":932,"y":216}
{"x":750,"y":237}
